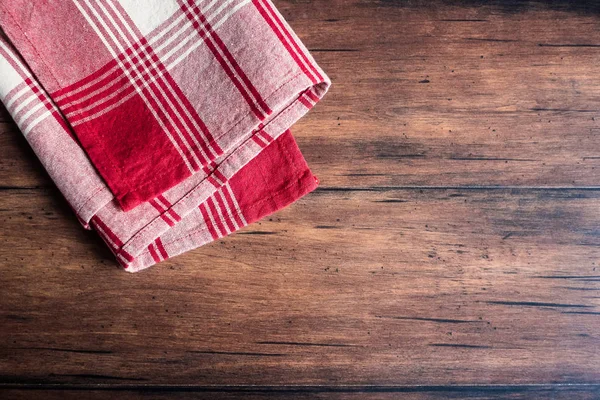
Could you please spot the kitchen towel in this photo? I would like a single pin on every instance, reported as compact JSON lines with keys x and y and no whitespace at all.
{"x":165,"y":123}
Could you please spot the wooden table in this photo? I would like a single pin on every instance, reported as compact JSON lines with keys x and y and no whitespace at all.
{"x":452,"y":249}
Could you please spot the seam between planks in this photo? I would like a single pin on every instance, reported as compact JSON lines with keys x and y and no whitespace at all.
{"x":304,"y":388}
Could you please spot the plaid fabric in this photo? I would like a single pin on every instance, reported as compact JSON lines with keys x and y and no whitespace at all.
{"x":165,"y":123}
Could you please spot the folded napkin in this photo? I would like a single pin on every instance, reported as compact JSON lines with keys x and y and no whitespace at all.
{"x":165,"y":123}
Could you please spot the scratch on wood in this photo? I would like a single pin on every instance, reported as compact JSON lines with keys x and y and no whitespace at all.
{"x":333,"y":50}
{"x":492,"y":159}
{"x":464,"y":346}
{"x":567,"y":276}
{"x":491,"y":40}
{"x":440,"y":320}
{"x":581,"y":312}
{"x":568,"y":45}
{"x":257,"y":233}
{"x":236,"y":353}
{"x":65,"y":350}
{"x":96,"y":376}
{"x":561,"y":110}
{"x":310,"y":344}
{"x":537,"y":304}
{"x":464,"y":20}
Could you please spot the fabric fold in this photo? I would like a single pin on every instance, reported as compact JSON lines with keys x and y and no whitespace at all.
{"x":164,"y":123}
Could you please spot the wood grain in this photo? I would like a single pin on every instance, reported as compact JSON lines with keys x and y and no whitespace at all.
{"x":451,"y":251}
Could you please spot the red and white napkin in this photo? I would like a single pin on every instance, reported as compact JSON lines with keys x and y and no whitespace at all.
{"x":165,"y":123}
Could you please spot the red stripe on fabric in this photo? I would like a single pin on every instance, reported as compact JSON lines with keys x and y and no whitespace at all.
{"x":105,"y":84}
{"x":224,"y":212}
{"x":306,"y":103}
{"x":162,"y":209}
{"x":167,"y":220}
{"x":99,"y":100}
{"x":218,"y":219}
{"x":312,"y":96}
{"x":126,"y":255}
{"x":282,"y":39}
{"x":156,"y":205}
{"x":293,"y":41}
{"x":95,"y":75}
{"x":209,"y":224}
{"x":161,"y":249}
{"x":168,"y":207}
{"x":233,"y":208}
{"x":214,"y":182}
{"x":107,"y":231}
{"x":146,"y":61}
{"x":268,"y":138}
{"x":206,"y":170}
{"x":259,"y":141}
{"x":153,"y":253}
{"x":220,"y":176}
{"x":163,"y":200}
{"x":174,"y":215}
{"x":205,"y":36}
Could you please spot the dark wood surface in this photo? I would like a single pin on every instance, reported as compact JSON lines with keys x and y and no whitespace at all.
{"x":452,"y":249}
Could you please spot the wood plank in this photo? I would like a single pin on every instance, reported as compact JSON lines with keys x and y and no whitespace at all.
{"x":354,"y":287}
{"x":556,"y":392}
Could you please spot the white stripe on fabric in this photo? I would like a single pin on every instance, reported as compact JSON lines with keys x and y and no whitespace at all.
{"x":105,"y":88}
{"x":105,"y":110}
{"x":212,"y":219}
{"x":229,"y":211}
{"x":235,"y":203}
{"x":87,"y":85}
{"x":221,"y":214}
{"x":17,"y":95}
{"x":36,"y":121}
{"x":29,"y":113}
{"x":24,"y":103}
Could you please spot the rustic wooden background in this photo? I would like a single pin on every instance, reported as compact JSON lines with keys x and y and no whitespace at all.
{"x":452,"y":249}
